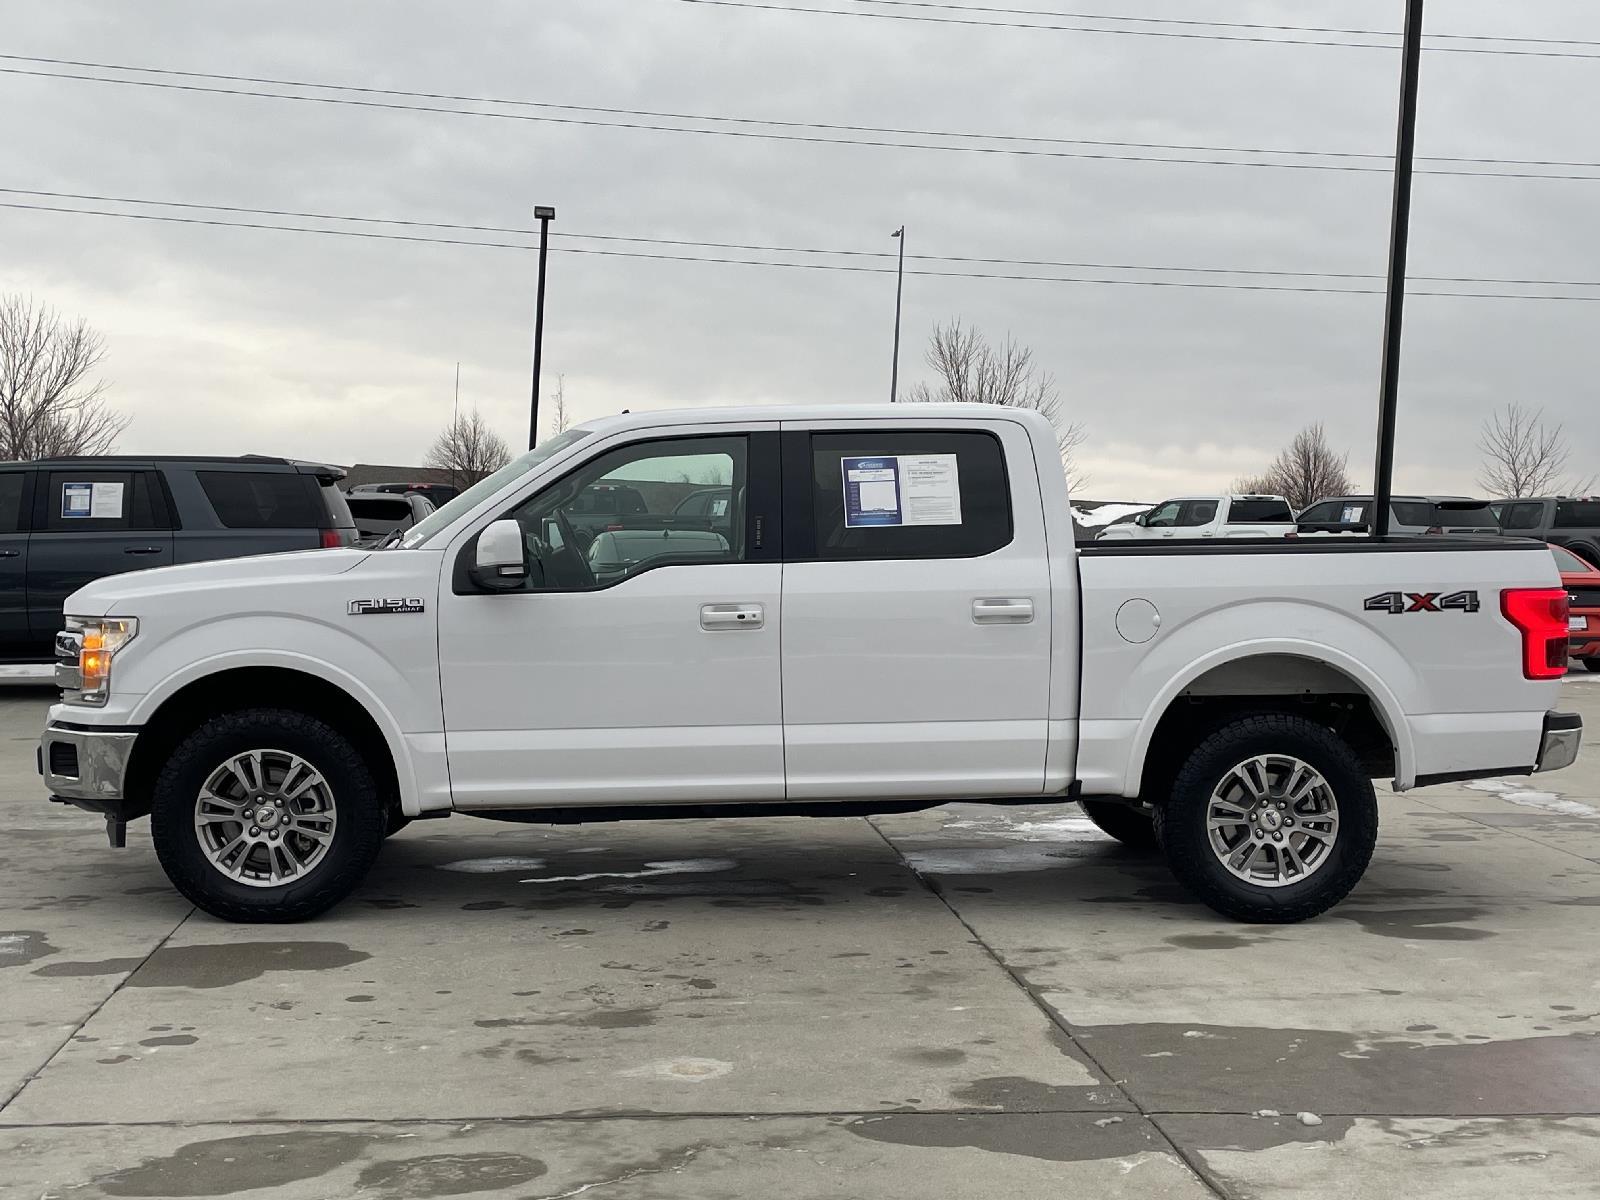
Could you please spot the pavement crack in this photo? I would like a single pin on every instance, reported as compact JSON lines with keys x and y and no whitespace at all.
{"x":1050,"y":1014}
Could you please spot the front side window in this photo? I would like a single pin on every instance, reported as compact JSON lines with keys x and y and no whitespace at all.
{"x":1166,"y":516}
{"x":1197,"y":513}
{"x":1320,"y":514}
{"x":908,"y":494}
{"x":617,"y":516}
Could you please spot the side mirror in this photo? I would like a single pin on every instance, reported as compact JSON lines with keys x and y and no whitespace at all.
{"x":1142,"y":519}
{"x":500,"y":561}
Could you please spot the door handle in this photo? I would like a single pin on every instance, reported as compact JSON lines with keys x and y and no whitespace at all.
{"x":10,"y":553}
{"x":1002,"y":611}
{"x":731,"y":616}
{"x":143,"y":550}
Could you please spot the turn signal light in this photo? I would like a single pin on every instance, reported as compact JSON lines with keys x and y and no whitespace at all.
{"x":330,"y":539}
{"x":1540,"y":615}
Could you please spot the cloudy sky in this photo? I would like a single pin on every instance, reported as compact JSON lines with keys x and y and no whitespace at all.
{"x":231,"y":340}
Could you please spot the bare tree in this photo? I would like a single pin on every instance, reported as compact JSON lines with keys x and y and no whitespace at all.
{"x":469,"y":450}
{"x":48,"y":405}
{"x":1523,"y":456}
{"x":1305,"y":471}
{"x":969,"y":369}
{"x":559,"y":417}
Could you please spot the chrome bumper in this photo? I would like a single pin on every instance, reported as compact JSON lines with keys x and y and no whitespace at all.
{"x":85,"y":764}
{"x":1563,"y":734}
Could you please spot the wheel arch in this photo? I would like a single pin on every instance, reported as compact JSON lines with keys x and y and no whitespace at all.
{"x":1289,"y":675}
{"x":182,"y":703}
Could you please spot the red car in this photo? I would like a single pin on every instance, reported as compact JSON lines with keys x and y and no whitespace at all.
{"x":1583,"y":590}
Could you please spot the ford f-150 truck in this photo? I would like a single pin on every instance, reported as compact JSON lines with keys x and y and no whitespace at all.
{"x":889,"y":614}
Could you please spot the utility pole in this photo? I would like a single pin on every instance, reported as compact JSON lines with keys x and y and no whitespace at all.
{"x":544,"y":214}
{"x":455,"y":408}
{"x":1399,"y":235}
{"x":899,"y":287}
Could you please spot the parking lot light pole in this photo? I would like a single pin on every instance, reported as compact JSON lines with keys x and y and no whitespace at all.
{"x":544,"y":215}
{"x":899,"y":287}
{"x":1399,"y":233}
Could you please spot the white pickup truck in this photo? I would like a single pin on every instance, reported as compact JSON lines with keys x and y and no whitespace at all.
{"x":1207,"y":517}
{"x":886,"y":613}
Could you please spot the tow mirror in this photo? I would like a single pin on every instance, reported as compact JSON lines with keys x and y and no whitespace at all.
{"x":500,"y":561}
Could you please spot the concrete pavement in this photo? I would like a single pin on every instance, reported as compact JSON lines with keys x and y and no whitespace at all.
{"x":966,"y":1002}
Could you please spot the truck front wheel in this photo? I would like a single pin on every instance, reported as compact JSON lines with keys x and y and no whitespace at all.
{"x":1131,"y":826}
{"x":266,"y":815}
{"x":1272,"y":819}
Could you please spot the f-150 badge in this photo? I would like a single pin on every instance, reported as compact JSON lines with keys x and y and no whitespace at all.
{"x":373,"y":608}
{"x":1411,"y":602}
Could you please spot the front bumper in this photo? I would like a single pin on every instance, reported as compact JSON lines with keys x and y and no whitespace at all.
{"x":80,"y":764}
{"x":1563,"y":734}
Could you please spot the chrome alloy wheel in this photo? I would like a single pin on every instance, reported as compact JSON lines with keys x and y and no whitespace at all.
{"x":265,"y":818}
{"x":1272,"y":820}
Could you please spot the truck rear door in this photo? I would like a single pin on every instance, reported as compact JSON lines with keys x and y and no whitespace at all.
{"x":917,"y":611}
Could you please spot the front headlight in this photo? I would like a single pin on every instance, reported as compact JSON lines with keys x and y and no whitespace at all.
{"x":84,"y":654}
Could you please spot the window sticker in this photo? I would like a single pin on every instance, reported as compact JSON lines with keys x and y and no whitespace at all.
{"x":106,"y":501}
{"x":905,"y":489}
{"x":77,"y":499}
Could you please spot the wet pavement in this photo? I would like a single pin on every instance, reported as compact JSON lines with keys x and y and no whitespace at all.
{"x":966,"y":1002}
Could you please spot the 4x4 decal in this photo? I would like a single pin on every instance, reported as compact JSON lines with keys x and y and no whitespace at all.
{"x":1410,"y":602}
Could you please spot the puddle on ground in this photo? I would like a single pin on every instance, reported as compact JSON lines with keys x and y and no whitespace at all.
{"x":18,"y":947}
{"x":222,"y":965}
{"x":1416,"y":924}
{"x":1055,"y":1137}
{"x":449,"y":1174}
{"x":223,"y":1166}
{"x":69,"y":970}
{"x":1175,"y":1067}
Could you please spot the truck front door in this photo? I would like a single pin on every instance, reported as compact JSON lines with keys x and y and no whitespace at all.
{"x":917,"y":611}
{"x":638,"y":663}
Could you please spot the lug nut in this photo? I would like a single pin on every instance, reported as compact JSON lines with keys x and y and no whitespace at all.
{"x":279,"y":802}
{"x":1288,"y":820}
{"x":254,"y":831}
{"x":273,"y":835}
{"x":1277,"y":837}
{"x":1259,"y":835}
{"x":1281,"y":804}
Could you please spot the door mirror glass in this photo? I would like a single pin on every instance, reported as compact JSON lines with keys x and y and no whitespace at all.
{"x":500,"y":561}
{"x":1142,"y":519}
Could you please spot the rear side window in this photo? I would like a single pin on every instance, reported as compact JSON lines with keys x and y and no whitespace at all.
{"x":1522,"y":516}
{"x":1412,"y":512}
{"x":1260,"y":512}
{"x":1577,"y":514}
{"x":1197,"y":513}
{"x":11,"y":501}
{"x":1465,"y":516}
{"x":261,"y":499}
{"x":100,"y":501}
{"x":897,"y":494}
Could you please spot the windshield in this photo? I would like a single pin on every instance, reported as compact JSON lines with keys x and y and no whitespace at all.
{"x":488,"y":486}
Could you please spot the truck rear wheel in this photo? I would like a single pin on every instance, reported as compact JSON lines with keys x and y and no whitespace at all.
{"x":1272,"y":819}
{"x":266,"y":815}
{"x":1131,"y":826}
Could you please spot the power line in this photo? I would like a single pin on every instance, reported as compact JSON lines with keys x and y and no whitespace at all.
{"x":1077,"y":16}
{"x":810,"y":139}
{"x":808,"y":250}
{"x":802,"y":266}
{"x":1257,"y":38}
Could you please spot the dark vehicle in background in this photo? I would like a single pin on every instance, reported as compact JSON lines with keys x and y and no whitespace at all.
{"x":1570,"y":521}
{"x":67,"y":521}
{"x":379,"y":514}
{"x":1582,"y":582}
{"x":1424,"y":515}
{"x":438,"y":494}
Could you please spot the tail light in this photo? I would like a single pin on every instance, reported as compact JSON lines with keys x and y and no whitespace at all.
{"x":331,"y":539}
{"x":1540,"y":615}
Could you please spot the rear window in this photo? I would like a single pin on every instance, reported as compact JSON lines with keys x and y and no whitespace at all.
{"x":1262,"y":511}
{"x":262,"y":500}
{"x":1577,"y":514}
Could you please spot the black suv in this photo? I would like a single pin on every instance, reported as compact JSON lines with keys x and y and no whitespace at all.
{"x":1570,"y":521}
{"x":66,"y":521}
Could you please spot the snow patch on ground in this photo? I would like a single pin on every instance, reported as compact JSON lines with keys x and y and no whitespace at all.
{"x":1516,"y":793}
{"x":991,"y":860}
{"x":1072,"y":828}
{"x":674,"y":866}
{"x":488,"y":866}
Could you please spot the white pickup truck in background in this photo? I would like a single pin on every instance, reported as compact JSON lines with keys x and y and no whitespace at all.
{"x":884,"y":610}
{"x":1207,"y":517}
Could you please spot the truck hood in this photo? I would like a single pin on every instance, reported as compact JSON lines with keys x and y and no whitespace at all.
{"x":123,"y":595}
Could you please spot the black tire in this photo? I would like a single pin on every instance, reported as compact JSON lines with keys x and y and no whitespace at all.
{"x":360,"y":827}
{"x":1591,"y":664}
{"x":1131,"y":826}
{"x":1183,"y":822}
